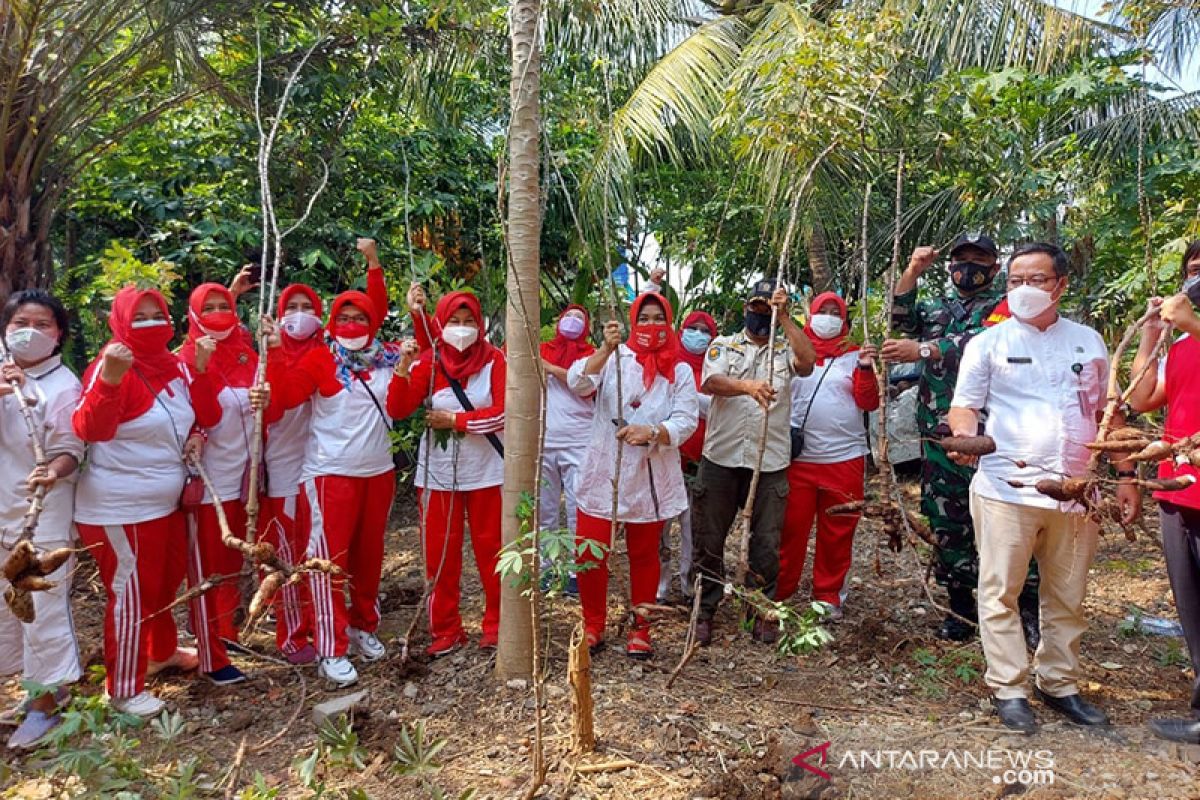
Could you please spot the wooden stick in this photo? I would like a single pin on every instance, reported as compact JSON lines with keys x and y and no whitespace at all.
{"x":37,"y":439}
{"x":607,"y":766}
{"x":743,"y":565}
{"x":579,"y":675}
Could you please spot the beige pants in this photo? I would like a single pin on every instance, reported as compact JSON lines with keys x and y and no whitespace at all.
{"x":1007,"y":535}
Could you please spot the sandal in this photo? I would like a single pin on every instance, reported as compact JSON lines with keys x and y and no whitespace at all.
{"x":595,"y":643}
{"x":637,"y":645}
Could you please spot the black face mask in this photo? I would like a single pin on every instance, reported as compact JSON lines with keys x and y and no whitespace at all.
{"x":1191,"y":287}
{"x":758,"y":323}
{"x":970,"y":276}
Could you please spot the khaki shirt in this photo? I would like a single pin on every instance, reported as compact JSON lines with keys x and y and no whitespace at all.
{"x":735,"y":423}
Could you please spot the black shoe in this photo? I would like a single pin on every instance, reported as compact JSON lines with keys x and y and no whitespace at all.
{"x":960,"y":625}
{"x":1027,"y":602}
{"x":1074,"y":708}
{"x":704,"y":632}
{"x":1185,"y":731}
{"x":1016,"y":714}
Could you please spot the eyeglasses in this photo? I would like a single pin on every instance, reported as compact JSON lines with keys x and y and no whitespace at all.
{"x":1036,"y":281}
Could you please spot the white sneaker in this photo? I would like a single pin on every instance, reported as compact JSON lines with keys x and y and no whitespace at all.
{"x":142,"y":704}
{"x":366,"y":645}
{"x":338,"y":671}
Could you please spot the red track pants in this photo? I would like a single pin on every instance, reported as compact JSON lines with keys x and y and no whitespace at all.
{"x":141,"y":565}
{"x":213,"y":613}
{"x":347,"y":520}
{"x":814,"y":488}
{"x":641,"y":539}
{"x":444,"y":528}
{"x":293,"y":603}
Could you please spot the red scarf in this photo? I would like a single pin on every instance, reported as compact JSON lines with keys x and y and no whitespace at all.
{"x":461,"y":366}
{"x":838,"y":345}
{"x":234,"y":362}
{"x":153,"y":367}
{"x":696,"y":360}
{"x":563,"y":352}
{"x":655,"y":359}
{"x":294,"y":349}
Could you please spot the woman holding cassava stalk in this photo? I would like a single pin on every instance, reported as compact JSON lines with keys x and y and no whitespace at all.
{"x":141,"y":413}
{"x":44,"y":651}
{"x":1176,"y":384}
{"x":461,"y":468}
{"x":657,"y":413}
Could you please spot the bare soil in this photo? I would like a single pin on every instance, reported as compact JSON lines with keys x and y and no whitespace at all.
{"x":729,"y":727}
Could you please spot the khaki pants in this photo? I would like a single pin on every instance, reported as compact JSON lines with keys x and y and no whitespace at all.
{"x":1007,"y":535}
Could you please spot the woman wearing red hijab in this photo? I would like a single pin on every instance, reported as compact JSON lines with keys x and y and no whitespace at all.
{"x":231,"y":368}
{"x":300,"y":330}
{"x":695,"y":334}
{"x":459,"y":480}
{"x":658,"y":412}
{"x":829,"y":448}
{"x":568,"y":421}
{"x":139,"y":412}
{"x":347,"y":481}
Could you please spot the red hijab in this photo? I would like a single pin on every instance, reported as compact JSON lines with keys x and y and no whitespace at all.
{"x":563,"y":352}
{"x":696,"y":360}
{"x":358,"y":300}
{"x":465,"y":364}
{"x":154,"y":366}
{"x":838,"y":345}
{"x":234,"y":362}
{"x":655,"y":346}
{"x":294,"y":349}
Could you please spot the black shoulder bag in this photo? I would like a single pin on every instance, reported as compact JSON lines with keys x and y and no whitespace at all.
{"x":798,"y":433}
{"x":401,"y":458}
{"x":465,"y":402}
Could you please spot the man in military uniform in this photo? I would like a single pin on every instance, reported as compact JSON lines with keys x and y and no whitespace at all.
{"x":938,"y":330}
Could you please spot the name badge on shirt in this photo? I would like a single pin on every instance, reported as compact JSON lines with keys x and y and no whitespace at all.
{"x":1020,"y":360}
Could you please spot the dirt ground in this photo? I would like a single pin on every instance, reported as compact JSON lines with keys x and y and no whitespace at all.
{"x":902,"y":713}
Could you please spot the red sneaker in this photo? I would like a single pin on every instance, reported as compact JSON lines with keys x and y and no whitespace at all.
{"x":445,"y":645}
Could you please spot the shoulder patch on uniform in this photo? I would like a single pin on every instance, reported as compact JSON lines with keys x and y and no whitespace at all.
{"x":714,"y":353}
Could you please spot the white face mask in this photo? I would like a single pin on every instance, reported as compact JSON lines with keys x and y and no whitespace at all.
{"x":1026,"y":302}
{"x":355,"y":344}
{"x":300,"y":324}
{"x":460,"y":337}
{"x":827,"y":326}
{"x":30,"y":345}
{"x":147,"y":323}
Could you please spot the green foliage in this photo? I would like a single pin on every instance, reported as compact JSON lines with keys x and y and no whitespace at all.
{"x":936,"y":672}
{"x":801,"y":631}
{"x":1171,"y":654}
{"x":415,"y":754}
{"x":560,"y":554}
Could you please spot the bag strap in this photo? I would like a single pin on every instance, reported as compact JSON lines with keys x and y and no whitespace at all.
{"x":808,"y":408}
{"x":465,"y":402}
{"x":387,"y":423}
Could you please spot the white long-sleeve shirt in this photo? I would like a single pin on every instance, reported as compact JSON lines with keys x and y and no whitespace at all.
{"x":54,"y":390}
{"x":568,"y":416}
{"x":673,"y":406}
{"x":1042,"y":391}
{"x":227,"y":451}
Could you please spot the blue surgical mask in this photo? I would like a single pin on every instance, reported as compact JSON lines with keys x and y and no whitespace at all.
{"x":695,"y":341}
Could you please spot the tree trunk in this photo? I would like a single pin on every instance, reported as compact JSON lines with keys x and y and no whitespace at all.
{"x":523,"y":390}
{"x":818,"y":260}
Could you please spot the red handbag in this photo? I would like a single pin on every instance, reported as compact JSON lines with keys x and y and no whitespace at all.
{"x":192,"y":496}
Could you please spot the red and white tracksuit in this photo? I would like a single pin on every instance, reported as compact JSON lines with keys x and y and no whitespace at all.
{"x":226,"y":456}
{"x":43,"y":651}
{"x":460,"y":483}
{"x":287,"y":441}
{"x":346,"y":488}
{"x":127,"y":512}
{"x":829,"y":471}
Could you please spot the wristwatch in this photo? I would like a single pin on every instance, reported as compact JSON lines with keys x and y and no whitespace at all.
{"x":924,"y":349}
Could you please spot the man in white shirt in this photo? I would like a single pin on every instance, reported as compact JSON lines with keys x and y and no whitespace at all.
{"x":1042,"y":379}
{"x":746,"y":382}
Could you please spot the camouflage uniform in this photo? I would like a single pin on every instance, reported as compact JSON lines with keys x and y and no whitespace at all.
{"x":948,"y":324}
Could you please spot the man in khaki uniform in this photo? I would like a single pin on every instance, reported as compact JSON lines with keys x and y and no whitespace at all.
{"x":745,"y":384}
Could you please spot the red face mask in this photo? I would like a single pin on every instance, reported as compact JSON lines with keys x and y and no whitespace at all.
{"x":151,"y":338}
{"x":651,"y":336}
{"x":218,"y":324}
{"x":351,"y":335}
